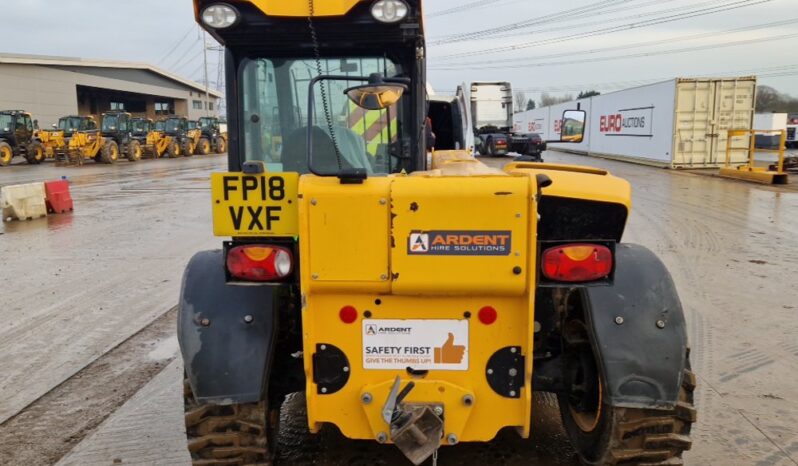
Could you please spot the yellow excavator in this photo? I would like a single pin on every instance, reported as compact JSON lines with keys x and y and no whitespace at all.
{"x":414,"y":301}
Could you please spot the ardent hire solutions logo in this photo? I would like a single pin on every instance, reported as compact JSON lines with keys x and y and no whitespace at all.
{"x":459,"y":243}
{"x":419,"y":242}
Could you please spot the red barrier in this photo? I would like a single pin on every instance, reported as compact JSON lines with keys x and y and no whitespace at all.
{"x":58,"y":198}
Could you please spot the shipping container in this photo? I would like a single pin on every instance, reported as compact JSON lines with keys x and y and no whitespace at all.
{"x":680,"y":123}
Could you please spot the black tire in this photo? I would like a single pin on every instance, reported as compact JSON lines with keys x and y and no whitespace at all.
{"x":489,"y":149}
{"x":204,"y":146}
{"x":611,"y":435}
{"x":6,"y":154}
{"x":34,"y":153}
{"x":134,"y":151}
{"x":110,"y":152}
{"x":187,"y":148}
{"x":221,"y":145}
{"x":236,"y":434}
{"x":173,"y":150}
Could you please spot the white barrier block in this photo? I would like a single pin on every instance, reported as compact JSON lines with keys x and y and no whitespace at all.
{"x":23,"y":201}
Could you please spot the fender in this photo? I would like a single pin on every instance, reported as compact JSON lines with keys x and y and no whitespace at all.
{"x":642,"y":360}
{"x":226,"y":332}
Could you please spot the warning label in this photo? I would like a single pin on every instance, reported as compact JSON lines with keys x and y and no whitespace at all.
{"x":419,"y":344}
{"x":460,"y":243}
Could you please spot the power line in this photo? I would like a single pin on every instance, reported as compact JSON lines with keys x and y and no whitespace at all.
{"x":177,"y":44}
{"x":560,"y":28}
{"x":638,"y":55}
{"x":558,"y":16}
{"x":582,"y":53}
{"x":461,"y":8}
{"x":625,"y":27}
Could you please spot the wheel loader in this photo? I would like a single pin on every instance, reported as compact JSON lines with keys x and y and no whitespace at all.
{"x":211,"y":130}
{"x":18,"y":138}
{"x":416,"y":302}
{"x":199,"y":143}
{"x":185,"y":139}
{"x":152,"y":138}
{"x":55,"y":141}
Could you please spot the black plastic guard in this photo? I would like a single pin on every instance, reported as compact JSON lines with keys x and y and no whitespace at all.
{"x":642,"y":363}
{"x":227,"y":359}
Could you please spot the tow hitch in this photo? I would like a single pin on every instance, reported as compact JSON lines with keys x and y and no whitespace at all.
{"x":416,"y":429}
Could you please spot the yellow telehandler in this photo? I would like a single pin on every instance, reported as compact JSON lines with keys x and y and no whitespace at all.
{"x":416,"y":302}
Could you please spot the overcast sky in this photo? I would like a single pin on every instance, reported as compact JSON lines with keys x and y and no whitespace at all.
{"x":557,"y":46}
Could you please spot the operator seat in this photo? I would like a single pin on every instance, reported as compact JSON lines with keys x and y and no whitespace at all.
{"x":295,"y":153}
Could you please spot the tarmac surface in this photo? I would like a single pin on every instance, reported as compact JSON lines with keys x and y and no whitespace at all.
{"x":88,"y":352}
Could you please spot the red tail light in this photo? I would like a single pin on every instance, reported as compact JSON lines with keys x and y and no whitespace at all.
{"x":577,"y":262}
{"x":259,"y":263}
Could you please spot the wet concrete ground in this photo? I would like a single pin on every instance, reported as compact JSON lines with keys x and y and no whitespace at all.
{"x":78,"y":285}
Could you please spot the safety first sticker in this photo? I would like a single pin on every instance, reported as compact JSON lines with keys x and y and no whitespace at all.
{"x":459,"y":243}
{"x":419,"y":344}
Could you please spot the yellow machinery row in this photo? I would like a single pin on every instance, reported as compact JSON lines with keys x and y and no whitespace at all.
{"x":76,"y":139}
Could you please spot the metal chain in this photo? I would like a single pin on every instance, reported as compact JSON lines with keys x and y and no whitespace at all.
{"x":324,"y":101}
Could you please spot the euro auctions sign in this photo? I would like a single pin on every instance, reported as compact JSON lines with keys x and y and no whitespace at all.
{"x":635,"y":122}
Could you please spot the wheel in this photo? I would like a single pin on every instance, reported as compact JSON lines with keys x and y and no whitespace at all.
{"x":605,"y":435}
{"x":188,"y":148}
{"x":109,"y":152}
{"x":489,"y":149}
{"x":173,"y":150}
{"x":6,"y":154}
{"x":204,"y":146}
{"x":221,"y":145}
{"x":236,"y":434}
{"x":34,"y":153}
{"x":134,"y":151}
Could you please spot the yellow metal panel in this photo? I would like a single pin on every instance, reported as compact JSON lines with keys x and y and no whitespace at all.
{"x":490,"y":411}
{"x":346,"y":231}
{"x":578,"y":182}
{"x":301,"y":8}
{"x":460,"y":235}
{"x":254,"y":205}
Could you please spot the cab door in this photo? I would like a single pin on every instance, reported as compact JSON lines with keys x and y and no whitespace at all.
{"x":24,"y":129}
{"x":465,"y":111}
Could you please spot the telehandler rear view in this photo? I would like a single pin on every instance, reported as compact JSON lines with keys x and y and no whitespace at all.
{"x":415,"y":303}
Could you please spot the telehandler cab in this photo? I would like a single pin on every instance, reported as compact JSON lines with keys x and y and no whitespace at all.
{"x":152,"y":138}
{"x":18,"y":138}
{"x":105,"y":145}
{"x":415,"y":304}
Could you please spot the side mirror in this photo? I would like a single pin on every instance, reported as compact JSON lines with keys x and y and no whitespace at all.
{"x":573,"y":126}
{"x":377,"y":94}
{"x":55,"y":126}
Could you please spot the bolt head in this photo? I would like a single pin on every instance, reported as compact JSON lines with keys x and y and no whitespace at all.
{"x":205,"y":322}
{"x":513,"y":372}
{"x":438,"y":410}
{"x":315,"y":276}
{"x":619,"y":320}
{"x":313,"y":202}
{"x":248,"y":319}
{"x":382,"y":437}
{"x":324,"y":389}
{"x":660,"y":324}
{"x":513,"y":350}
{"x":468,"y":400}
{"x":383,"y":202}
{"x":383,"y":277}
{"x":366,"y":398}
{"x":323,"y":347}
{"x":512,"y":392}
{"x":452,"y":439}
{"x":346,"y":369}
{"x":490,"y":371}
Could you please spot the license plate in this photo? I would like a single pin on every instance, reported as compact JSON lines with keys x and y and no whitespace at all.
{"x":434,"y":344}
{"x":254,"y":205}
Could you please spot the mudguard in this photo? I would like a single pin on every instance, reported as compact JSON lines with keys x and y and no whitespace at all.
{"x":639,"y":331}
{"x":226,"y":333}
